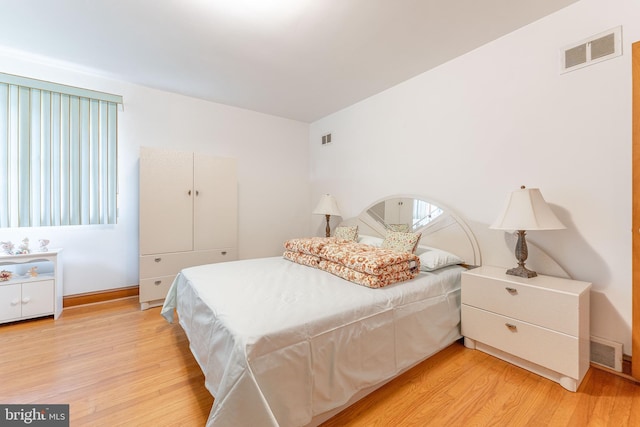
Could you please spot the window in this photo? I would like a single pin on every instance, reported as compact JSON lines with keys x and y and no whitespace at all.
{"x":58,"y":154}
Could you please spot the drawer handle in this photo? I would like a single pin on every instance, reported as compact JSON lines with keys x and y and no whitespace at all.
{"x":512,"y":291}
{"x":157,"y":282}
{"x":26,"y":300}
{"x":157,"y":259}
{"x":511,"y":327}
{"x":223,"y":252}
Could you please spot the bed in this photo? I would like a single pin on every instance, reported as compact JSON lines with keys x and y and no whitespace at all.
{"x":284,"y":344}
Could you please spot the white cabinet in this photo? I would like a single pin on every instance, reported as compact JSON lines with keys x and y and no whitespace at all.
{"x":188,"y":216}
{"x":24,"y":296}
{"x":540,"y":324}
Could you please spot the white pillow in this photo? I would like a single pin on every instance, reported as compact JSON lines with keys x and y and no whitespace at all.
{"x":432,"y":258}
{"x":370,"y":240}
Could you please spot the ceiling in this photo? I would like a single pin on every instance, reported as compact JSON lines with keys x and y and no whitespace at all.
{"x":299,"y":59}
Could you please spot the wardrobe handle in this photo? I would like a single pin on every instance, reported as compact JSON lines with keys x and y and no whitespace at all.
{"x":223,"y":252}
{"x":512,"y":291}
{"x":189,"y":192}
{"x":157,"y":282}
{"x":511,"y":327}
{"x":157,"y":259}
{"x":197,"y":193}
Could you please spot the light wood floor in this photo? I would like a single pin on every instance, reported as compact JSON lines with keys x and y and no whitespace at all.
{"x":118,"y":366}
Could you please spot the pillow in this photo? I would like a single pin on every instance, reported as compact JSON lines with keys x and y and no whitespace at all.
{"x":346,"y":233}
{"x":399,"y":227}
{"x":370,"y":240}
{"x":432,"y":259}
{"x":401,"y":242}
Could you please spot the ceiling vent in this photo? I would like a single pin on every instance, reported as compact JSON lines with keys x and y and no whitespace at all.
{"x":590,"y":51}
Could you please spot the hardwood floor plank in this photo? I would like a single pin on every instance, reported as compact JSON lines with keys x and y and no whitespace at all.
{"x":118,"y":366}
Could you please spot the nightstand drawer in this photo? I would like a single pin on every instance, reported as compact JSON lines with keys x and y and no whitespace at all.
{"x":553,"y":350}
{"x":545,"y":307}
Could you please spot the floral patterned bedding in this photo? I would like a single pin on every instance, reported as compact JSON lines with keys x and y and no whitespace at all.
{"x":359,"y":263}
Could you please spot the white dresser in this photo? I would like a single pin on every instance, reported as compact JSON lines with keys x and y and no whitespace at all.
{"x":540,"y":324}
{"x":188,"y":216}
{"x":25,"y":296}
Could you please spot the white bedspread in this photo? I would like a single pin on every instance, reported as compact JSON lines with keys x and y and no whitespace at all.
{"x":280,"y":343}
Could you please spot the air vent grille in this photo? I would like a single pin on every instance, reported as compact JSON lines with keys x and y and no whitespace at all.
{"x":575,"y":56}
{"x":603,"y":46}
{"x":606,"y":353}
{"x":590,"y":51}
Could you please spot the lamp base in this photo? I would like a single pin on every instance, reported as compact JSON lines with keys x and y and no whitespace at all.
{"x":327,"y":230}
{"x":522,"y":271}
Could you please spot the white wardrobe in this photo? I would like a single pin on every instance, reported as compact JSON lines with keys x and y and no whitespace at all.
{"x":188,"y":216}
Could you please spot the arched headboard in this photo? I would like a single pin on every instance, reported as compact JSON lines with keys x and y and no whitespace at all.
{"x":440,"y":227}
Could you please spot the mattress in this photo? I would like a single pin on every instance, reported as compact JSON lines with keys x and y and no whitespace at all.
{"x":280,"y":343}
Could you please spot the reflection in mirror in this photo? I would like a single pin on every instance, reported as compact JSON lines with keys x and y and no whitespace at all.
{"x":404,"y":214}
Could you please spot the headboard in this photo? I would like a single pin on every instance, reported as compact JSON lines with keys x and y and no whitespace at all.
{"x":440,"y":227}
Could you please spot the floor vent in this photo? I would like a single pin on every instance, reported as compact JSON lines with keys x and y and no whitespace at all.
{"x":590,"y":51}
{"x":606,"y":353}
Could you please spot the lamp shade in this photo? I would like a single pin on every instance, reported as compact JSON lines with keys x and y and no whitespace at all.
{"x":526,"y":209}
{"x":327,"y":206}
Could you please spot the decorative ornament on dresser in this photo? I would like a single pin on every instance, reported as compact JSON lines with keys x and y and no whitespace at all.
{"x":7,"y":247}
{"x":525,"y":209}
{"x":24,"y":247}
{"x":43,"y":245}
{"x":33,"y":271}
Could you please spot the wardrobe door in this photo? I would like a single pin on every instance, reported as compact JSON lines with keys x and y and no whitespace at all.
{"x":216,"y":203}
{"x":166,"y":201}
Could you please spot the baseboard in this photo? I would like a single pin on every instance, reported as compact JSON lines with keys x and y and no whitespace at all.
{"x":99,"y":296}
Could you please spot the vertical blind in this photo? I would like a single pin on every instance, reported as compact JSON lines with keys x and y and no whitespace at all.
{"x":58,"y":154}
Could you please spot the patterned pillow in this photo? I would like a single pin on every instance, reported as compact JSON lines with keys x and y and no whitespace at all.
{"x":401,"y":242}
{"x":346,"y":233}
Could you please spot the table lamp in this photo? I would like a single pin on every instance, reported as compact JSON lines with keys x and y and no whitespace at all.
{"x":327,"y":207}
{"x":525,"y":210}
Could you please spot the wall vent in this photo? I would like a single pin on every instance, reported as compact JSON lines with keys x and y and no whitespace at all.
{"x":606,"y":353}
{"x":326,"y":139}
{"x":598,"y":48}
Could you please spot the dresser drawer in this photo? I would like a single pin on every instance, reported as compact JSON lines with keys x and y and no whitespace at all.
{"x":171,"y":263}
{"x":530,"y":303}
{"x":553,"y":350}
{"x":155,"y":288}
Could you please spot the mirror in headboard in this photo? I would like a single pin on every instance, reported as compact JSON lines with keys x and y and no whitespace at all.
{"x":404,"y":213}
{"x":440,"y":227}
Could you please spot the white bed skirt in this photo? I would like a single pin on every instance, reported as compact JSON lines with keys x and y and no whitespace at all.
{"x":282,"y":344}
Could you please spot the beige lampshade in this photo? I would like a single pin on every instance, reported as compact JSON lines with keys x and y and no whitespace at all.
{"x":526,"y":209}
{"x":327,"y":206}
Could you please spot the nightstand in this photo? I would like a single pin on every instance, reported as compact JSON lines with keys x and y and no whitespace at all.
{"x":540,"y":324}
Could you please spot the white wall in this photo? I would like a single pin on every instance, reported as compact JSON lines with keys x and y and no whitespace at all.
{"x":273,"y":164}
{"x":471,"y":130}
